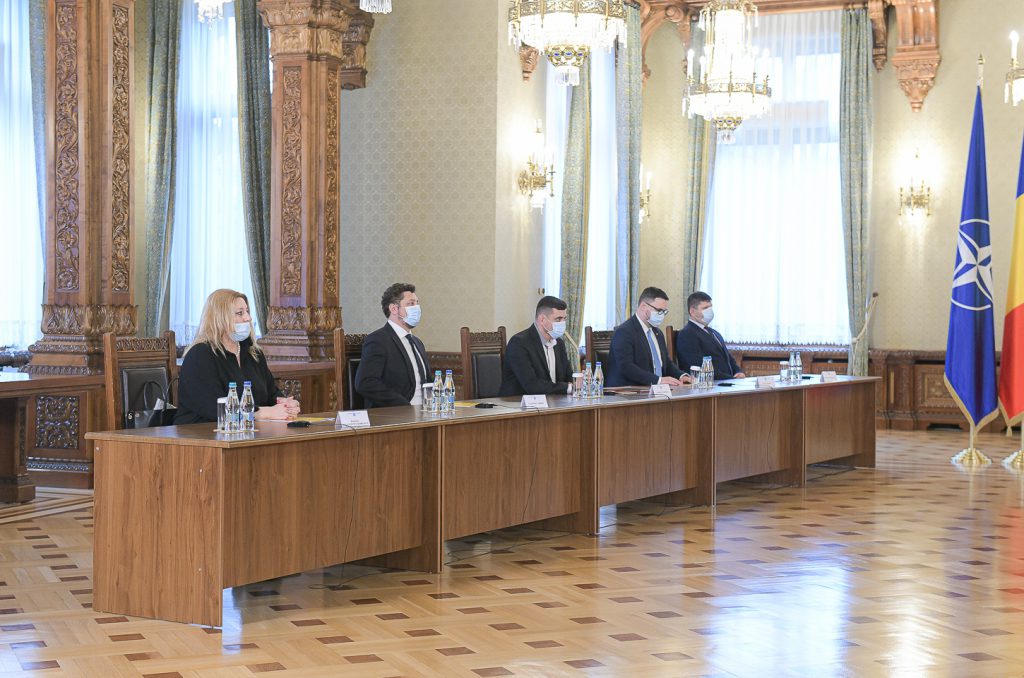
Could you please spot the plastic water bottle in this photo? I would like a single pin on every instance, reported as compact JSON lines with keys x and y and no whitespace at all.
{"x":792,"y":365}
{"x":247,"y":407}
{"x":707,"y":373}
{"x":588,"y":381}
{"x":231,"y":408}
{"x":598,"y":382}
{"x":799,"y":371}
{"x":437,"y":396}
{"x":449,"y":392}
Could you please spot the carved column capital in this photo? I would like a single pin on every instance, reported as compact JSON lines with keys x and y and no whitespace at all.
{"x":353,"y":61}
{"x":917,"y":47}
{"x":529,"y":57}
{"x":313,"y":29}
{"x":916,"y":75}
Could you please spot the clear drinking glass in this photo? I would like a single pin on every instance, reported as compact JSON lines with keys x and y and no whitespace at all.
{"x":222,"y":414}
{"x":577,"y":385}
{"x":428,"y":395}
{"x":694,"y":376}
{"x":784,"y":370}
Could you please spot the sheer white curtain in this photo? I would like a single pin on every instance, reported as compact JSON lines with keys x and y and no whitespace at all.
{"x":208,"y":249}
{"x":21,"y":276}
{"x":599,"y":305}
{"x":773,"y":259}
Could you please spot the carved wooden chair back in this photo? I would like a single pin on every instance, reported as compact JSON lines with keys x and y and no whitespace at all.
{"x":598,"y":345}
{"x":483,"y":357}
{"x":348,"y":350}
{"x":129,"y":364}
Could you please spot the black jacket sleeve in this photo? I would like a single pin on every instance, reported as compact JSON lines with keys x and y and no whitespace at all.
{"x":273,"y":390}
{"x":518,"y":356}
{"x":199,"y":382}
{"x":668,"y":365}
{"x":370,"y":376}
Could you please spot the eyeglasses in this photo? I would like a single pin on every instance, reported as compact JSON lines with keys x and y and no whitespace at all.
{"x":659,"y":311}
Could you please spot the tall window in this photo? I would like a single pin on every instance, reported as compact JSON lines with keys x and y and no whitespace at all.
{"x":774,"y":260}
{"x":599,"y":304}
{"x":21,"y":276}
{"x":208,"y":246}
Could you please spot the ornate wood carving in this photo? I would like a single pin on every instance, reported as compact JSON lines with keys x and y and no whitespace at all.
{"x":120,"y":204}
{"x":917,"y":48}
{"x":529,"y":57}
{"x":292,"y":388}
{"x":291,"y":178}
{"x":304,"y":319}
{"x":65,"y":243}
{"x":332,"y":224}
{"x":88,"y":320}
{"x":57,"y":422}
{"x":879,"y":31}
{"x":353,"y":59}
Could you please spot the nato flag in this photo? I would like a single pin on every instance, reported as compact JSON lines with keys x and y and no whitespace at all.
{"x":970,"y":346}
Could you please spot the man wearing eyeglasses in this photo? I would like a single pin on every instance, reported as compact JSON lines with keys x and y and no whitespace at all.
{"x":639,"y":355}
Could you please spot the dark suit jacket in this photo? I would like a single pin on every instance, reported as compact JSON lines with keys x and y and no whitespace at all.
{"x":630,"y":362}
{"x":525,"y":371}
{"x":693,"y":343}
{"x":385,"y":376}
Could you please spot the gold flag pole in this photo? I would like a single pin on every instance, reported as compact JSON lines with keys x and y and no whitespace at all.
{"x":1016,"y":460}
{"x":971,"y":456}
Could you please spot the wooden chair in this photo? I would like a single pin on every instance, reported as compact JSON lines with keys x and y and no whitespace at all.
{"x":598,"y":345}
{"x":670,"y":344}
{"x":128,"y":364}
{"x":483,"y":356}
{"x":348,"y":351}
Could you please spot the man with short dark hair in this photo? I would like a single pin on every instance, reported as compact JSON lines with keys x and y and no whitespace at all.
{"x":393,"y":366}
{"x":639,"y":355}
{"x":535,"y":360}
{"x":698,"y":339}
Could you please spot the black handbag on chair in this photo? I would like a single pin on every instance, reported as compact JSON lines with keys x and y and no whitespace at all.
{"x":150,"y":415}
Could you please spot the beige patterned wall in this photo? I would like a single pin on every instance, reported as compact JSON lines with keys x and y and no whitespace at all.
{"x":426,"y":190}
{"x":912,"y":262}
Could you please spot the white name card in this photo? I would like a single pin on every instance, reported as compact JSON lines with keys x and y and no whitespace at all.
{"x":765,"y":382}
{"x":534,"y":402}
{"x":352,"y":419}
{"x":660,"y":391}
{"x":829,"y":375}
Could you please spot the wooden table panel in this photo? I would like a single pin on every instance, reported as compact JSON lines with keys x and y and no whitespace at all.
{"x":838,"y":423}
{"x":157,"y":550}
{"x":653,"y":447}
{"x":513,"y":470}
{"x":757,"y":433}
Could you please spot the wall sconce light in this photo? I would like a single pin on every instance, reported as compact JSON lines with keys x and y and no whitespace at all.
{"x":1015,"y":76}
{"x":645,"y":196}
{"x":917,"y":197}
{"x":539,"y":173}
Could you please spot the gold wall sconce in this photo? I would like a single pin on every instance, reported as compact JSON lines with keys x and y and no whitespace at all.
{"x":1015,"y":76}
{"x":916,"y":197}
{"x":539,"y":173}
{"x":645,"y":196}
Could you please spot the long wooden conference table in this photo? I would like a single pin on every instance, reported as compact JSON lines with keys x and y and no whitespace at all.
{"x":184,"y":512}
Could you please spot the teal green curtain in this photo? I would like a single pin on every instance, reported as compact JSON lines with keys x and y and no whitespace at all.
{"x":37,"y":64}
{"x":700,"y":149}
{"x":162,"y":86}
{"x":575,"y":208}
{"x":855,"y":127}
{"x":628,"y":118}
{"x":253,"y":49}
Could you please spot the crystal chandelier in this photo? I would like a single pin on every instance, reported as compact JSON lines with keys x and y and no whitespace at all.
{"x":727,"y":90}
{"x":1015,"y":76}
{"x":375,"y":6}
{"x":567,"y":30}
{"x":210,"y":10}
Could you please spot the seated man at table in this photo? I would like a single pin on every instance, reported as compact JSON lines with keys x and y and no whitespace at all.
{"x":535,"y":360}
{"x":698,"y":339}
{"x":638,"y":354}
{"x":393,"y":366}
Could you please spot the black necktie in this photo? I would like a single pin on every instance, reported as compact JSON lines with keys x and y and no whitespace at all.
{"x":419,"y":359}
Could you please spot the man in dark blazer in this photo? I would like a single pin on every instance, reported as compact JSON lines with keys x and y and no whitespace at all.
{"x":393,"y":366}
{"x":698,"y":339}
{"x":535,"y":360}
{"x":639,"y":355}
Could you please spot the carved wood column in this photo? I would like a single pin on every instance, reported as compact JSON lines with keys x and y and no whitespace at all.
{"x":306,"y":46}
{"x":89,"y":92}
{"x":917,"y":48}
{"x":353,"y":66}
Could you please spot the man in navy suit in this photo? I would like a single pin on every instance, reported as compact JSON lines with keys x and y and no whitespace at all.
{"x":699,"y":339}
{"x":535,"y":361}
{"x":393,"y":366}
{"x":639,"y":355}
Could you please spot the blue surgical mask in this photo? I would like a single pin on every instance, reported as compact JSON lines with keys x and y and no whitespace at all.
{"x":412,"y":315}
{"x":241,"y":332}
{"x":557,"y":329}
{"x":655,"y":319}
{"x":709,"y":315}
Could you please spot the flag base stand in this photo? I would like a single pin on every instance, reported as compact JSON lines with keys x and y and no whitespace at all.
{"x":1015,"y":461}
{"x":970,"y":457}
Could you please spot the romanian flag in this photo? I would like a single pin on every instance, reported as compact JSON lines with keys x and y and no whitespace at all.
{"x":971,"y":344}
{"x":1011,"y":374}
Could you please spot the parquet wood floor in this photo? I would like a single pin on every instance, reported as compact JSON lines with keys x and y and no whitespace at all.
{"x":915,"y":568}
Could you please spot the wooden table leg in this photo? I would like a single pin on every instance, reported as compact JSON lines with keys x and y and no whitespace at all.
{"x":15,"y":484}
